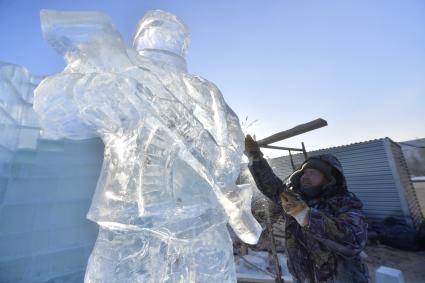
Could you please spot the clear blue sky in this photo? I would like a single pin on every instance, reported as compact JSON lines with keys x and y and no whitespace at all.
{"x":358,"y":64}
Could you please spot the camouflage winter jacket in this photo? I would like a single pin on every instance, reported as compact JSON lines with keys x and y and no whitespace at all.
{"x":328,"y":248}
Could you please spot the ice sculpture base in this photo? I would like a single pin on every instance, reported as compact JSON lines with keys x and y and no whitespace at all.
{"x":145,"y":256}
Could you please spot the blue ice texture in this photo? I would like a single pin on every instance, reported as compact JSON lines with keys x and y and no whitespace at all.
{"x":19,"y":126}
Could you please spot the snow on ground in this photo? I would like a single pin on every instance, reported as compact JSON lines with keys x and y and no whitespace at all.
{"x":410,"y":263}
{"x":256,"y":267}
{"x":418,"y":179}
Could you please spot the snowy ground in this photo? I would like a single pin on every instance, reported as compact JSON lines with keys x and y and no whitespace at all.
{"x":418,"y":179}
{"x":254,"y":267}
{"x":412,"y":264}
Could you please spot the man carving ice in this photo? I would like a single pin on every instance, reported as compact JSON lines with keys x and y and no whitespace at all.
{"x":325,"y":229}
{"x":172,"y":149}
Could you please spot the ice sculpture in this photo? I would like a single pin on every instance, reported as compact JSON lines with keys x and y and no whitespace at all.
{"x":172,"y":149}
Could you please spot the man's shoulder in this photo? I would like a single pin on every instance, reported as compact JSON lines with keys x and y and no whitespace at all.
{"x":345,"y":200}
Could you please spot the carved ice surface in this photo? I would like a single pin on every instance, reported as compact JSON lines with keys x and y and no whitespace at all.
{"x":18,"y":122}
{"x":172,"y":149}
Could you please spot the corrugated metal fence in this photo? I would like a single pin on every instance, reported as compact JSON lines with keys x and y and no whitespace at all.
{"x":376,"y":172}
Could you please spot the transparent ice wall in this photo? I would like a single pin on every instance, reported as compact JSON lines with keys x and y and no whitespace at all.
{"x":172,"y":149}
{"x":46,"y":187}
{"x":18,"y":122}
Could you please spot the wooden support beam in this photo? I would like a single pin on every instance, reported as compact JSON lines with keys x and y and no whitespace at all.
{"x":281,"y":147}
{"x":297,"y":130}
{"x":273,"y":251}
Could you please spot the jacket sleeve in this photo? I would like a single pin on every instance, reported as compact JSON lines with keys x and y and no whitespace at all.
{"x":345,"y":233}
{"x":267,"y":182}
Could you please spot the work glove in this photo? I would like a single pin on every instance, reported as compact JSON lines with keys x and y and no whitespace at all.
{"x":295,"y":206}
{"x":252,"y":150}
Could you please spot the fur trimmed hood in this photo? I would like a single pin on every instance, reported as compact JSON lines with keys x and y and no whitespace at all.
{"x":337,"y":183}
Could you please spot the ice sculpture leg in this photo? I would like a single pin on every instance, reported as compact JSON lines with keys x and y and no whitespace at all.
{"x":134,"y":256}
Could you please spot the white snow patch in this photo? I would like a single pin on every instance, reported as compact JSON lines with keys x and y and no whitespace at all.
{"x":256,"y":267}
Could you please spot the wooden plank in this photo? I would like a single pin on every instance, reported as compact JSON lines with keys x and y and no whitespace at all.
{"x":297,"y":130}
{"x":281,"y":147}
{"x":273,"y":251}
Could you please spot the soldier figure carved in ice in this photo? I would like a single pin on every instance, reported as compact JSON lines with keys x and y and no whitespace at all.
{"x":172,"y":149}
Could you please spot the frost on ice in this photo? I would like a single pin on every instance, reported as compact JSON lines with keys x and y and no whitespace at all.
{"x":172,"y":149}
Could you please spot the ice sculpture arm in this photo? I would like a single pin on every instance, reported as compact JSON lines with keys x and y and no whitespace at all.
{"x":57,"y":109}
{"x":225,"y":128}
{"x":208,"y":105}
{"x":82,"y":106}
{"x":267,"y":182}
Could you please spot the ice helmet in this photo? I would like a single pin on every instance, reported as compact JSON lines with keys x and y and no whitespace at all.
{"x":161,"y":31}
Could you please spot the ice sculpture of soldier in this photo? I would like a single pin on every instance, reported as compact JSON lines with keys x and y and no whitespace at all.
{"x":172,"y":149}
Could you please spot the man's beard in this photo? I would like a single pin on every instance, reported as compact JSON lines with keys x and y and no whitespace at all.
{"x":311,"y":192}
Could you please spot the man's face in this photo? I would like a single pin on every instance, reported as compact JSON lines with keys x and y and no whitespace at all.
{"x":312,"y":178}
